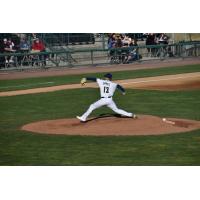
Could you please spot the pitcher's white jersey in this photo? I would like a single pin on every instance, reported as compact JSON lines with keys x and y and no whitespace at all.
{"x":107,"y":88}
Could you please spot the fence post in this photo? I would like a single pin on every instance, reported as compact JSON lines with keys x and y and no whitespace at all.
{"x":183,"y":51}
{"x":195,"y":50}
{"x":92,"y":57}
{"x":68,"y":39}
{"x":103,"y":40}
{"x":179,"y":50}
{"x":57,"y":60}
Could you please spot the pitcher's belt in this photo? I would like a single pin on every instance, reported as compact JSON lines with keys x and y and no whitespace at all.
{"x":107,"y":97}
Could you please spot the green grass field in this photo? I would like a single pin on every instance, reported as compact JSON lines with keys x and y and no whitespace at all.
{"x":23,"y":148}
{"x":28,"y":83}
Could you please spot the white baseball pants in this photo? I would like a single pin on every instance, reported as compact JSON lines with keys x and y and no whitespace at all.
{"x":105,"y":102}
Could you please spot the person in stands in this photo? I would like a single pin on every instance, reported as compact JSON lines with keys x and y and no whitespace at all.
{"x":38,"y":46}
{"x":24,"y":48}
{"x":8,"y":48}
{"x":2,"y":58}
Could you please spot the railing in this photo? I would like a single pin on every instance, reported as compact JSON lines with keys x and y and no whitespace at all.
{"x":67,"y":38}
{"x":92,"y":56}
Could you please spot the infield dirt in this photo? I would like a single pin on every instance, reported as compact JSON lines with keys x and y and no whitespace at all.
{"x":110,"y":125}
{"x":185,"y":81}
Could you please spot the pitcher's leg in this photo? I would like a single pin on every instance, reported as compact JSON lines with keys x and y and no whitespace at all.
{"x":92,"y":107}
{"x":113,"y":107}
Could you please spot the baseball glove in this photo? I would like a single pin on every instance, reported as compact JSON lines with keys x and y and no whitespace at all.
{"x":83,"y":81}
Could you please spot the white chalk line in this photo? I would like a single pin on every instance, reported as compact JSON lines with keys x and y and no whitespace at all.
{"x":26,"y":85}
{"x":162,"y":79}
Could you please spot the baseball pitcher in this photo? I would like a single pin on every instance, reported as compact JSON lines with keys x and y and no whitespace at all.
{"x":107,"y":89}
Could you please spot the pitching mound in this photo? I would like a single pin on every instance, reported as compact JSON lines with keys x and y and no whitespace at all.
{"x":112,"y":125}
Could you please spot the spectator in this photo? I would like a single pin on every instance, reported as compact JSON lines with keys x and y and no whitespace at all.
{"x":133,"y":53}
{"x":151,"y":40}
{"x":24,"y":45}
{"x":126,"y":40}
{"x":163,"y":50}
{"x":33,"y":37}
{"x":11,"y":44}
{"x":2,"y":58}
{"x":119,"y":42}
{"x":111,"y":45}
{"x":111,"y":41}
{"x":163,"y":39}
{"x":118,"y":52}
{"x":8,"y":45}
{"x":125,"y":50}
{"x":24,"y":48}
{"x":8,"y":48}
{"x":38,"y":46}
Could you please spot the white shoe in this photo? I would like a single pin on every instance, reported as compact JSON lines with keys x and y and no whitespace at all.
{"x":81,"y":119}
{"x":135,"y":116}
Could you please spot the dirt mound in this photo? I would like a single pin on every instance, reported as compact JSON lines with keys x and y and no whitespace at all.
{"x":111,"y":125}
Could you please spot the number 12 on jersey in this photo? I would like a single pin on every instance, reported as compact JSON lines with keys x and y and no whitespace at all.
{"x":106,"y":90}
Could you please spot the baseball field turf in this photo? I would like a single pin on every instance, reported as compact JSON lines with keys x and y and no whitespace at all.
{"x":23,"y":148}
